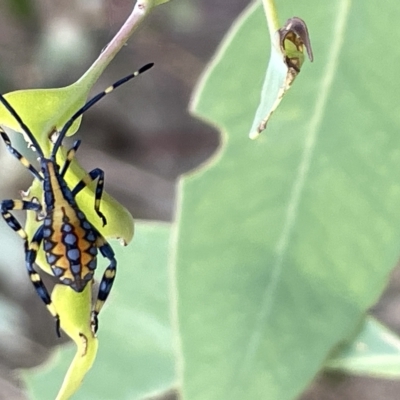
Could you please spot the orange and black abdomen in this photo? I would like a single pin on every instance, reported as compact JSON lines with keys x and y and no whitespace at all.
{"x":69,"y":242}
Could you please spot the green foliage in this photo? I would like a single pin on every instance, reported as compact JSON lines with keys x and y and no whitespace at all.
{"x":135,"y":354}
{"x":54,"y":106}
{"x":374,"y":352}
{"x":74,"y":311}
{"x":44,"y":112}
{"x":271,"y":91}
{"x":286,"y":59}
{"x":284,"y":242}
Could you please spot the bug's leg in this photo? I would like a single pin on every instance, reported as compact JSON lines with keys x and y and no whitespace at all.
{"x":70,"y":155}
{"x":31,"y":250}
{"x":19,"y":156}
{"x":106,"y":281}
{"x":98,"y":174}
{"x":9,"y":205}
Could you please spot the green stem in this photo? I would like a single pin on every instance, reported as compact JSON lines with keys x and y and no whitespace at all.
{"x":140,"y":11}
{"x":272,"y":17}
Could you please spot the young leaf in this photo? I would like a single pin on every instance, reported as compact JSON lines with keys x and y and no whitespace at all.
{"x":374,"y":352}
{"x":75,"y":322}
{"x":286,"y":60}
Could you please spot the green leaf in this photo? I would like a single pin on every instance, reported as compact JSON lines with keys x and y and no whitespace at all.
{"x":284,"y":242}
{"x":285,"y":62}
{"x":272,"y":92}
{"x":374,"y":352}
{"x":45,"y":110}
{"x":74,"y":310}
{"x":135,"y":354}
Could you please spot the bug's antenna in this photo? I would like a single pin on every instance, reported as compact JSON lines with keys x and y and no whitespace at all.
{"x":22,"y":124}
{"x":92,"y":102}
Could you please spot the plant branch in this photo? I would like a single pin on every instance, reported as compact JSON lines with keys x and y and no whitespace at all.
{"x":140,"y":11}
{"x":272,"y":17}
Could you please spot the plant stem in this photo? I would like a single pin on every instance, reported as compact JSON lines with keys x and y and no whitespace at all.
{"x":272,"y":17}
{"x":140,"y":11}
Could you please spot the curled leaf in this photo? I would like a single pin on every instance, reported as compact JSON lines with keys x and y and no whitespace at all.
{"x":293,"y":37}
{"x":74,"y":310}
{"x":286,"y":60}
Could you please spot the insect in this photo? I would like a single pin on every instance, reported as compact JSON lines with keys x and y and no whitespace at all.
{"x":70,"y":242}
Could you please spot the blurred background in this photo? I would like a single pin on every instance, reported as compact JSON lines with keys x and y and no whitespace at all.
{"x":141,"y":135}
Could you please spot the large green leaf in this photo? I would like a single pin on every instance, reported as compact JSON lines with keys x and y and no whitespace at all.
{"x":284,"y":242}
{"x":135,"y":354}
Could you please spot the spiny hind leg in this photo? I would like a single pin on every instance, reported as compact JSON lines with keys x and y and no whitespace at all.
{"x":98,"y":174}
{"x":31,"y":250}
{"x":106,"y":281}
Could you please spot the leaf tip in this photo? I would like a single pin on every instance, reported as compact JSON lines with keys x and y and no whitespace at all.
{"x":254,"y":135}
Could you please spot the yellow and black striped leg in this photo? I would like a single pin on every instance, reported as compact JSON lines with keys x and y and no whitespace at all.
{"x":106,"y":281}
{"x":31,"y":250}
{"x":98,"y":174}
{"x":70,"y":155}
{"x":86,"y":180}
{"x":9,"y":205}
{"x":19,"y":156}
